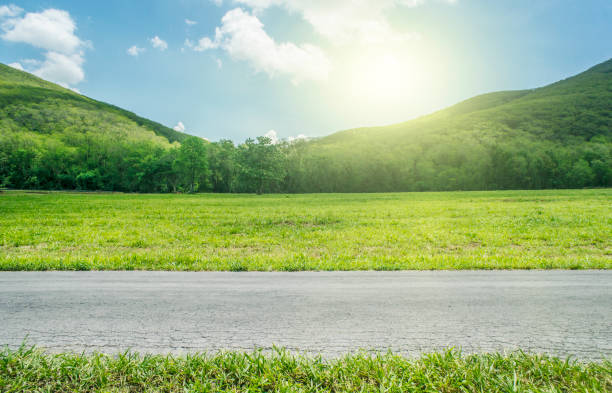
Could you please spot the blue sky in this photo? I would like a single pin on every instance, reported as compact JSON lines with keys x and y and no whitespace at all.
{"x":240,"y":68}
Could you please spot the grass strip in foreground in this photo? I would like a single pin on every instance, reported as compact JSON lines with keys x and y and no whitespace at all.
{"x":32,"y":370}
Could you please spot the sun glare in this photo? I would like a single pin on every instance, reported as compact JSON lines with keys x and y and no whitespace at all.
{"x":384,"y":75}
{"x":387,"y":83}
{"x":390,"y":83}
{"x":380,"y":77}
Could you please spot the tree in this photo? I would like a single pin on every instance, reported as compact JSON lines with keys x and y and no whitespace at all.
{"x":89,"y":180}
{"x":262,"y":166}
{"x":581,"y":174}
{"x":223,"y":166}
{"x":168,"y":171}
{"x":192,"y":165}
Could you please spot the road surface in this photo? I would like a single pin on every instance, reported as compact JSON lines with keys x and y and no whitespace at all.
{"x":558,"y":312}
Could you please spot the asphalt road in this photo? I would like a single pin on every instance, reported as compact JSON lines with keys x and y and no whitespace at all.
{"x":557,"y":312}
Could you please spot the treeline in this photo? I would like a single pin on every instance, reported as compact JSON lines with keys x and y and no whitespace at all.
{"x":462,"y":162}
{"x":100,"y":163}
{"x":93,"y":161}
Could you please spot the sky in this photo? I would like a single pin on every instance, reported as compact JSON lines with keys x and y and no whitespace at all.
{"x":234,"y":69}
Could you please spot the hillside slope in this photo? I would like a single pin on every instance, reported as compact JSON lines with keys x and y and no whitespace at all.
{"x":49,"y":136}
{"x":551,"y":137}
{"x":21,"y":91}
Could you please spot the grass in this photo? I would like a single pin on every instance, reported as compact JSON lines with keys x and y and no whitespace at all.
{"x":567,"y":229}
{"x":32,"y":370}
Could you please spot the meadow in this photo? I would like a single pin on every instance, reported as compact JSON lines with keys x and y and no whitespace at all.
{"x":32,"y":370}
{"x":455,"y":230}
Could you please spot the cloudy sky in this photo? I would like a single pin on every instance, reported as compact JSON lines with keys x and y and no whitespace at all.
{"x":240,"y":68}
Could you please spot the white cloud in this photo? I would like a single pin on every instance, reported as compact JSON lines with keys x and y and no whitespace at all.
{"x":297,"y":138}
{"x":273,"y":136}
{"x":9,"y":11}
{"x":190,"y":22}
{"x":179,"y":127}
{"x":341,"y":22}
{"x":344,"y":21}
{"x":16,"y":66}
{"x":158,"y":43}
{"x":52,"y":30}
{"x":219,"y":63}
{"x":135,"y":51}
{"x":31,"y":62}
{"x":242,"y":36}
{"x":203,"y":44}
{"x":65,"y":70}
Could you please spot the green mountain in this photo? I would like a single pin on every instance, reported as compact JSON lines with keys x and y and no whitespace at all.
{"x":50,"y":135}
{"x":25,"y":97}
{"x":551,"y":137}
{"x":558,"y":136}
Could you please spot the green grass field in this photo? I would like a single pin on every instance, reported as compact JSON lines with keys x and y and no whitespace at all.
{"x":31,"y":370}
{"x":459,"y":230}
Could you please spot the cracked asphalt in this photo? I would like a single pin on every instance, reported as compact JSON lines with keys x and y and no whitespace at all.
{"x":563,"y":313}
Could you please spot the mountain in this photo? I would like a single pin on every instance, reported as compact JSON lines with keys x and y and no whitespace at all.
{"x":26,"y":93}
{"x":49,"y":136}
{"x":579,"y":106}
{"x":557,"y":136}
{"x":550,"y":137}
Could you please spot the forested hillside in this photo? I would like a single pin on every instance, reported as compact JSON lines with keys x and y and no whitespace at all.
{"x":54,"y":138}
{"x":558,"y":136}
